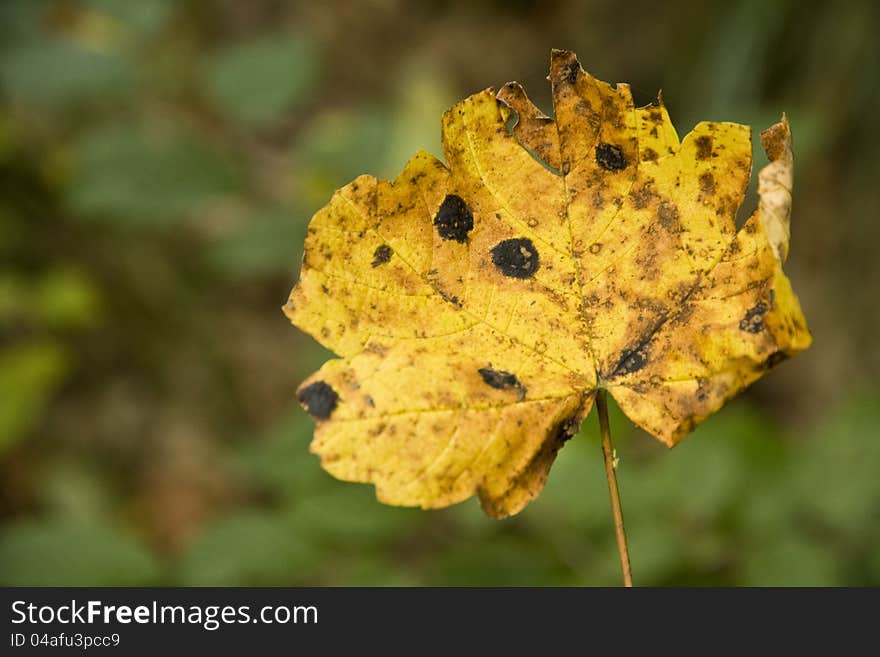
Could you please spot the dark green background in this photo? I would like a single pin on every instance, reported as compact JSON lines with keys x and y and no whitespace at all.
{"x":159,"y":162}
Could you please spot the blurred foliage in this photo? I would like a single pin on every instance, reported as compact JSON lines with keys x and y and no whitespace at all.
{"x":259,"y":81}
{"x":159,"y":162}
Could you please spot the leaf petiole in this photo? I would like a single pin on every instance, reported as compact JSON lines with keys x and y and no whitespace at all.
{"x":610,"y":462}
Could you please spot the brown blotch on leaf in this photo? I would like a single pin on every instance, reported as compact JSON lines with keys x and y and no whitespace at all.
{"x":704,"y":145}
{"x":454,"y":219}
{"x":381,"y":255}
{"x":667,"y":215}
{"x":702,"y":388}
{"x":773,"y":139}
{"x":319,"y":400}
{"x":450,"y":298}
{"x":517,"y":258}
{"x":642,"y":196}
{"x":649,"y":155}
{"x":753,"y":322}
{"x":610,"y":157}
{"x":376,"y":348}
{"x":595,"y":248}
{"x":707,"y":183}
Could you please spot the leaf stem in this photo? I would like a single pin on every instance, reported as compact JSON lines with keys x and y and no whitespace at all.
{"x":617,"y":512}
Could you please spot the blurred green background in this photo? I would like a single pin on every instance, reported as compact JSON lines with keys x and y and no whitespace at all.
{"x":159,"y":162}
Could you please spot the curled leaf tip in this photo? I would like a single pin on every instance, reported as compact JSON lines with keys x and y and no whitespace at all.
{"x":775,"y":182}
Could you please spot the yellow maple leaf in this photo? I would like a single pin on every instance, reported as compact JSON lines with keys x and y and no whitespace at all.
{"x":478,"y":306}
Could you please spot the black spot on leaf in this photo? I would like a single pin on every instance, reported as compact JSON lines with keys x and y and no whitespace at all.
{"x":570,"y":72}
{"x":631,"y":361}
{"x":610,"y":157}
{"x":454,"y":219}
{"x":319,"y":400}
{"x":381,"y":255}
{"x":774,"y":359}
{"x":500,"y":380}
{"x":566,"y":430}
{"x":753,"y":322}
{"x":517,"y":258}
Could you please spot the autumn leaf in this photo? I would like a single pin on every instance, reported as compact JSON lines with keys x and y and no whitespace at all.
{"x":478,"y":306}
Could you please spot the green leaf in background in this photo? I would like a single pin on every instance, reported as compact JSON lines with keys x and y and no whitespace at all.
{"x":29,"y":374}
{"x":75,"y":490}
{"x":693,"y":483}
{"x":258,"y":81}
{"x":791,"y":560}
{"x":61,"y":298}
{"x":20,"y":19}
{"x":678,"y":502}
{"x":356,"y":518}
{"x":266,"y":242}
{"x":144,"y":17}
{"x":249,"y":547}
{"x":14,"y":301}
{"x":52,"y":72}
{"x":504,"y":560}
{"x":278,"y":464}
{"x":66,"y":298}
{"x":657,"y":548}
{"x":342,"y":144}
{"x":339,"y":146}
{"x":838,"y":476}
{"x":144,"y":178}
{"x":56,"y":552}
{"x":422,"y":90}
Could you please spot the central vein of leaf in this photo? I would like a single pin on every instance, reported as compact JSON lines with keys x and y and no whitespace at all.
{"x":581,"y":305}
